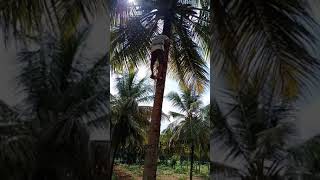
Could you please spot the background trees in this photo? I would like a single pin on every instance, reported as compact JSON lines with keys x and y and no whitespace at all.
{"x":129,"y":119}
{"x":131,"y":41}
{"x":191,"y":128}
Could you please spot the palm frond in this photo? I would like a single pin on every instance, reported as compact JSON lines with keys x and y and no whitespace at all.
{"x":223,"y":134}
{"x":189,"y":126}
{"x":137,"y":24}
{"x":46,"y":70}
{"x":18,"y":149}
{"x":33,"y":77}
{"x":187,"y":54}
{"x":176,"y":101}
{"x":224,"y":170}
{"x":131,"y":42}
{"x":266,"y":47}
{"x":176,"y":115}
{"x":129,"y":119}
{"x":17,"y":145}
{"x":72,"y":11}
{"x":7,"y":113}
{"x":305,"y":152}
{"x":20,"y":15}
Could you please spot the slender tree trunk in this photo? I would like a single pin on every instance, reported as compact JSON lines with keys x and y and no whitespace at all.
{"x":151,"y":157}
{"x":191,"y":160}
{"x":114,"y":145}
{"x":199,"y":162}
{"x":112,"y":158}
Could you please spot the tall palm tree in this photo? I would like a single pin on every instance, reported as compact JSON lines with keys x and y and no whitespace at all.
{"x":189,"y":128}
{"x":258,"y":131}
{"x":129,"y":118}
{"x":246,"y":34}
{"x":65,"y":95}
{"x":186,"y":25}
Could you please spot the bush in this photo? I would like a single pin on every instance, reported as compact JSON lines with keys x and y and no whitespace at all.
{"x":181,"y":169}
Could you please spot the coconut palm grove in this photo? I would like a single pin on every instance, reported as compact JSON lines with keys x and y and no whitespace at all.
{"x":160,"y":90}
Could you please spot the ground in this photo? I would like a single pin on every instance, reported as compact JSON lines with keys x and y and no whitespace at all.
{"x":123,"y":172}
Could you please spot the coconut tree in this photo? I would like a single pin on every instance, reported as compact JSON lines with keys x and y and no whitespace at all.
{"x":65,"y":95}
{"x":132,"y":150}
{"x":129,"y":118}
{"x":189,"y":128}
{"x":135,"y":24}
{"x":246,"y":34}
{"x":256,"y":128}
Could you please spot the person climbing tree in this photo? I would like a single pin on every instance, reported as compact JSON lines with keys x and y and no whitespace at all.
{"x":157,"y":52}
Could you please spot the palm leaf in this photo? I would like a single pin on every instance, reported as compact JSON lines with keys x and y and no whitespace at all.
{"x":225,"y":170}
{"x":275,"y":48}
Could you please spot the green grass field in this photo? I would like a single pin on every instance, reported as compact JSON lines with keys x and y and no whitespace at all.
{"x":179,"y":172}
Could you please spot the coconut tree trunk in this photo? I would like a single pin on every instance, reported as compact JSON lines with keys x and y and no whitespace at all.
{"x":112,"y":158}
{"x":151,"y":156}
{"x":115,"y":143}
{"x":191,"y":160}
{"x":199,"y":162}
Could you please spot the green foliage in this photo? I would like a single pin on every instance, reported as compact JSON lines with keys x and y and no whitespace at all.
{"x":131,"y":34}
{"x":179,"y":170}
{"x":190,"y":130}
{"x":114,"y":177}
{"x":192,"y":123}
{"x":129,"y":118}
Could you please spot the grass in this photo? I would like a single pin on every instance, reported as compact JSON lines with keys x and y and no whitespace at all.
{"x":181,"y":171}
